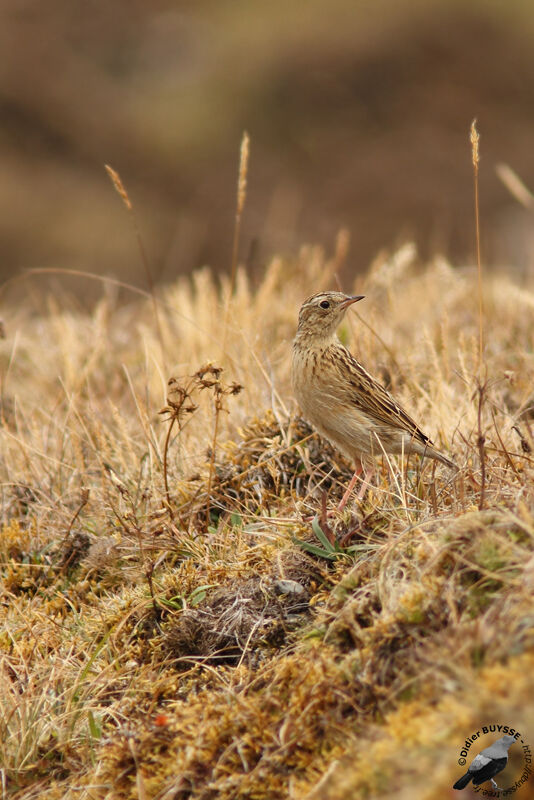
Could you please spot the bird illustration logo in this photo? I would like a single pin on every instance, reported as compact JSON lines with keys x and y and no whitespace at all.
{"x":487,"y":764}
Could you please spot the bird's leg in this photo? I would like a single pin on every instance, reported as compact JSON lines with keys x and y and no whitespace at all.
{"x":350,"y":487}
{"x":365,"y":485}
{"x":495,"y":785}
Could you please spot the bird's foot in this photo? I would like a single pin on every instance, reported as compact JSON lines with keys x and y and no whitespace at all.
{"x":495,"y":786}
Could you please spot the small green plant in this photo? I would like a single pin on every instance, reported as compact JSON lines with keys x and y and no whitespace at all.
{"x":328,"y":548}
{"x":179,"y":601}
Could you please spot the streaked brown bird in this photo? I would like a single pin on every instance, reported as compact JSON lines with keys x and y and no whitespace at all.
{"x":342,"y":401}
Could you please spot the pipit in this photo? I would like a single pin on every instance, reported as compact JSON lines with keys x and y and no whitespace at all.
{"x":342,"y":401}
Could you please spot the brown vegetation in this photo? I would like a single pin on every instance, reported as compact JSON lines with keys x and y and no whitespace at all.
{"x":171,"y":625}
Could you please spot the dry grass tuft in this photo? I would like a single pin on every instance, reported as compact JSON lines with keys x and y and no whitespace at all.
{"x":171,"y":625}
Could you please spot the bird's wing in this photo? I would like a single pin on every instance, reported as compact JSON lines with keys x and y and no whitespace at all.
{"x":369,"y":396}
{"x":478,"y":763}
{"x":489,"y":770}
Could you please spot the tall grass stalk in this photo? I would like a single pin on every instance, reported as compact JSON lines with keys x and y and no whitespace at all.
{"x":475,"y":156}
{"x":121,"y":190}
{"x":240,"y":205}
{"x":482,"y":384}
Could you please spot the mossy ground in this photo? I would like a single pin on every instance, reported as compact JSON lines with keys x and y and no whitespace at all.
{"x":166,"y":631}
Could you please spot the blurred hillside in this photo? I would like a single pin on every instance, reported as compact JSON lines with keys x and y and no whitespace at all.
{"x":358,"y":116}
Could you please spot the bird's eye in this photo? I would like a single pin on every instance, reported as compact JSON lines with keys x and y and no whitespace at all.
{"x":325,"y":304}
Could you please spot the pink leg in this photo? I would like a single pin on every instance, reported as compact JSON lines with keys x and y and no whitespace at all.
{"x":365,"y":485}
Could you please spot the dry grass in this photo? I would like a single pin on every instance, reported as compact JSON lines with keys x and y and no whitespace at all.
{"x":187,"y":646}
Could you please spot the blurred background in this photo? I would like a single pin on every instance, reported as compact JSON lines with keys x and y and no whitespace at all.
{"x":358,"y":115}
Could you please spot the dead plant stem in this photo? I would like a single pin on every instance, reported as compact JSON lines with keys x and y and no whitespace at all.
{"x":475,"y":138}
{"x":165,"y":466}
{"x":481,"y":441}
{"x":240,"y":204}
{"x":121,"y":190}
{"x":212,"y":457}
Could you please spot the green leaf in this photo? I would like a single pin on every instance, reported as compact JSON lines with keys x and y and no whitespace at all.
{"x":316,"y":551}
{"x":199,"y":594}
{"x":94,"y":727}
{"x":176,"y":602}
{"x":318,"y":531}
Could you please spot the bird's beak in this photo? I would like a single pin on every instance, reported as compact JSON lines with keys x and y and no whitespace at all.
{"x":350,"y":300}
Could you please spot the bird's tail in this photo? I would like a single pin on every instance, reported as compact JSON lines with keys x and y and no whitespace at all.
{"x":462,"y":782}
{"x":431,"y":452}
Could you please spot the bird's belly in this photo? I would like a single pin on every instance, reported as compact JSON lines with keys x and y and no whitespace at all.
{"x":352,"y":431}
{"x":347,"y":428}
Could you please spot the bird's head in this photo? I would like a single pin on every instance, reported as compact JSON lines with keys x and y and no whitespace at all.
{"x":321,"y":314}
{"x":507,"y":740}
